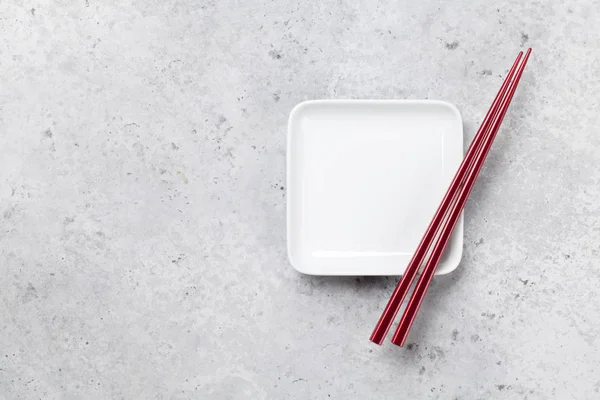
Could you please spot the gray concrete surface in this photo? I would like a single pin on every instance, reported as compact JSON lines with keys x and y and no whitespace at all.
{"x":142,"y":240}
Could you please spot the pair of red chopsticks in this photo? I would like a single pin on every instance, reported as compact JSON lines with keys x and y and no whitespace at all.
{"x":447,"y":215}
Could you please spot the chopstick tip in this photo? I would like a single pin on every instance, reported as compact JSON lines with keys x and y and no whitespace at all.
{"x":399,"y":341}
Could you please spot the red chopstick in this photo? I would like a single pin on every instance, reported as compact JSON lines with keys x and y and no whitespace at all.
{"x":399,"y":294}
{"x":425,"y":278}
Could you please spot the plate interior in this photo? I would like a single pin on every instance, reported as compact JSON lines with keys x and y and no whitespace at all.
{"x":364,"y":180}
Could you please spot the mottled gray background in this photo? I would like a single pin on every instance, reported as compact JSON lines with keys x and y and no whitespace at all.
{"x":142,"y":164}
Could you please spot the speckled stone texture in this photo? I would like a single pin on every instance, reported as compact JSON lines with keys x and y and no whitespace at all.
{"x":142,"y":201}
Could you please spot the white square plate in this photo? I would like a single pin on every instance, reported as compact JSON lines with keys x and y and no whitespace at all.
{"x":364,"y":178}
